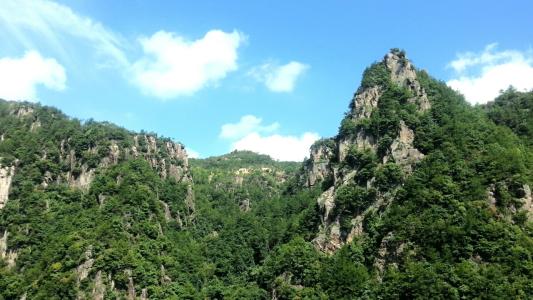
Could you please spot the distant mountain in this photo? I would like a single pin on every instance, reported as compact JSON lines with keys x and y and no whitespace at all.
{"x":419,"y":195}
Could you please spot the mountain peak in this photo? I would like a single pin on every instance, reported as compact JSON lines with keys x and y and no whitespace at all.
{"x":376,"y":134}
{"x":394,"y":71}
{"x":401,"y":70}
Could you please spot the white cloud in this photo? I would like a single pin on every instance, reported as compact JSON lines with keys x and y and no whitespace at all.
{"x":279,"y":78}
{"x":174,"y":66}
{"x":481,"y":76}
{"x":19,"y":77}
{"x":284,"y":148}
{"x":246,"y":125}
{"x":52,"y":21}
{"x":192,"y":154}
{"x":250,"y":134}
{"x":169,"y":65}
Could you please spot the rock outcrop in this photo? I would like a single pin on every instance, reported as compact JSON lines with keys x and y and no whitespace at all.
{"x":22,"y":111}
{"x":6,"y":177}
{"x":8,"y":255}
{"x":83,"y":270}
{"x":170,"y":161}
{"x":321,"y":155}
{"x":98,"y":292}
{"x":403,"y":73}
{"x":328,"y":161}
{"x":131,"y":286}
{"x":527,"y":200}
{"x":402,"y":150}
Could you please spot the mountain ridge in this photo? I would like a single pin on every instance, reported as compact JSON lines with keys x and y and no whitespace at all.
{"x":419,"y":195}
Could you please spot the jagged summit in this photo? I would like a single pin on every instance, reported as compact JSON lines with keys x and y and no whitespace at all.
{"x":376,"y":135}
{"x":394,"y":68}
{"x":392,"y":126}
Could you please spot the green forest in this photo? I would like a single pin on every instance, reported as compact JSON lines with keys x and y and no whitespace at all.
{"x":420,"y":195}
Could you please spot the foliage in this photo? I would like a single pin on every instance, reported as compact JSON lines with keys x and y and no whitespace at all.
{"x":248,"y":233}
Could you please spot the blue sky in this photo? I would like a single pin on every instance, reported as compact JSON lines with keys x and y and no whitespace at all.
{"x":269,"y":76}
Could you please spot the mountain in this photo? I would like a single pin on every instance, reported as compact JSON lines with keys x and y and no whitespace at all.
{"x":419,"y":195}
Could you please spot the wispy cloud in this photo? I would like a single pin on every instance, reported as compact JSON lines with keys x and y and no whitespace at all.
{"x":480,"y":76}
{"x":52,"y":22}
{"x":246,"y":125}
{"x":169,"y":66}
{"x":20,"y":76}
{"x":279,"y":78}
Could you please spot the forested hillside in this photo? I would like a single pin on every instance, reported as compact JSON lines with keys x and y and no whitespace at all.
{"x":419,"y":195}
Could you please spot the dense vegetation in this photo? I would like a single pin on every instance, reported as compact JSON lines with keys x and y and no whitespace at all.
{"x":246,"y":230}
{"x":513,"y":109}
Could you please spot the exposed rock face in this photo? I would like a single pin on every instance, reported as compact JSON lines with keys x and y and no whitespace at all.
{"x":114,"y":153}
{"x":144,"y":294}
{"x":404,"y":74}
{"x":362,"y":140}
{"x":99,"y":287}
{"x":491,"y":197}
{"x":83,"y":180}
{"x":83,"y":270}
{"x":366,"y":102}
{"x":6,"y":176}
{"x":9,"y":256}
{"x":357,"y":228}
{"x":170,"y":161}
{"x":168,"y":216}
{"x":152,"y":144}
{"x":402,"y":150}
{"x":3,"y":244}
{"x":319,"y":164}
{"x":22,"y":111}
{"x":329,"y":238}
{"x":328,"y":162}
{"x":189,"y":202}
{"x":164,"y":277}
{"x":35,"y":125}
{"x":244,"y":205}
{"x":131,"y":287}
{"x":176,"y":167}
{"x":527,"y":200}
{"x":326,"y":202}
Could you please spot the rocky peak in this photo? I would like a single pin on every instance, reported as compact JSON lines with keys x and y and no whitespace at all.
{"x":403,"y":73}
{"x":393,"y":80}
{"x":400,"y":71}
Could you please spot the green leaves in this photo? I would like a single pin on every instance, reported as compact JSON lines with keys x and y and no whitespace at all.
{"x":375,"y":75}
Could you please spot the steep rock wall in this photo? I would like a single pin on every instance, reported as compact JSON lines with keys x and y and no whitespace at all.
{"x":325,"y":163}
{"x":6,"y":177}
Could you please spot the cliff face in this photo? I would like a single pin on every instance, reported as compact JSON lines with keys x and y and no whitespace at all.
{"x":78,"y":154}
{"x":44,"y":154}
{"x":334,"y":162}
{"x":6,"y":175}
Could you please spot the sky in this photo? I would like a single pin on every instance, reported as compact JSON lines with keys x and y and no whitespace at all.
{"x":267,"y":76}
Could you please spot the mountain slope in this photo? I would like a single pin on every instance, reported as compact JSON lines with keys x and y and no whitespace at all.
{"x":426,"y":189}
{"x":74,"y":194}
{"x":420,"y":195}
